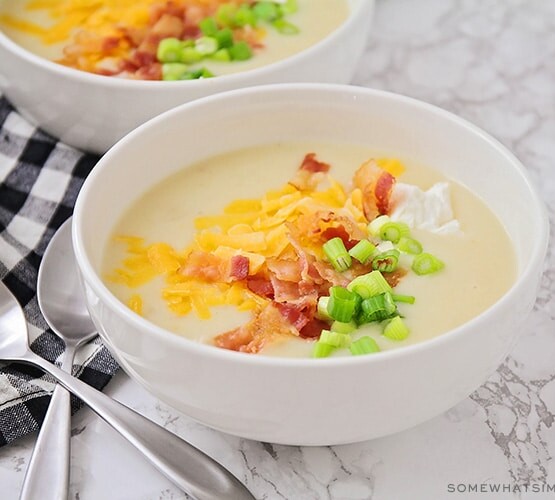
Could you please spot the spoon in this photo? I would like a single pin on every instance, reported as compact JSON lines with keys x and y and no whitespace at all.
{"x":189,"y":468}
{"x":59,"y":299}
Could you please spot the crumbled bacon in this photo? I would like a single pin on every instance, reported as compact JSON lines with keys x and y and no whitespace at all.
{"x":394,"y":277}
{"x":261,"y":286}
{"x":339,"y":232}
{"x":203,"y":265}
{"x":298,"y":315}
{"x":376,"y":185}
{"x":311,"y":164}
{"x":313,"y":329}
{"x":259,"y":331}
{"x":239,"y":267}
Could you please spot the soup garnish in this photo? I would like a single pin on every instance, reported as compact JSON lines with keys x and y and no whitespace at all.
{"x":312,"y":259}
{"x":158,"y":39}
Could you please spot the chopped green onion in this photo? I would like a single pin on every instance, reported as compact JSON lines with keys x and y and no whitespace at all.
{"x":386,"y":262}
{"x":393,"y":231}
{"x":224,"y":38}
{"x":406,"y":299}
{"x":206,"y":45}
{"x":322,"y":350}
{"x":173,"y":71}
{"x":240,"y":51}
{"x":396,"y":329}
{"x":197,"y":74}
{"x":208,"y":26}
{"x":288,"y":7}
{"x":377,"y":308}
{"x":364,"y":345}
{"x":369,"y":284}
{"x":190,"y":55}
{"x":322,"y":309}
{"x":266,"y":11}
{"x":169,"y":50}
{"x":244,"y":16}
{"x":337,"y":254}
{"x":409,"y":245}
{"x":362,"y":251}
{"x":426,"y":263}
{"x":225,"y":14}
{"x":221,"y":55}
{"x":375,"y":226}
{"x":340,"y":327}
{"x":285,"y":27}
{"x":342,"y":304}
{"x":335,"y":339}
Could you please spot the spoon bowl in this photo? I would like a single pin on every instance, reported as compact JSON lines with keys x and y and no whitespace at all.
{"x":59,"y":293}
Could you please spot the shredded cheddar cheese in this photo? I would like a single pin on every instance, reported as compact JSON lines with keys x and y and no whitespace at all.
{"x":251,"y":229}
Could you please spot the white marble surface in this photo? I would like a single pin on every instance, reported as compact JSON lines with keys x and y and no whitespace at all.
{"x":492,"y":62}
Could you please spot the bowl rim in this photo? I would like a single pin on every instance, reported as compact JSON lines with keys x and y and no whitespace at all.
{"x":84,"y":77}
{"x":533,"y":265}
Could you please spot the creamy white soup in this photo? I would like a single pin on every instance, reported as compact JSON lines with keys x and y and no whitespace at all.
{"x":122,"y":38}
{"x":468,"y":283}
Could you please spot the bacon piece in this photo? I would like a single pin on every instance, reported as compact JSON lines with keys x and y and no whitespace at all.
{"x":311,"y":164}
{"x":394,"y":277}
{"x":309,"y":173}
{"x":203,"y":265}
{"x":261,"y":286}
{"x":339,"y":232}
{"x":298,"y":315}
{"x":239,"y":267}
{"x":382,"y":192}
{"x":313,"y":329}
{"x":376,"y":185}
{"x":254,"y":335}
{"x":285,"y":291}
{"x":285,"y":269}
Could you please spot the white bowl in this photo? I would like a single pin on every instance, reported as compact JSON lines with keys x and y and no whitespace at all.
{"x":92,"y":112}
{"x":307,"y":401}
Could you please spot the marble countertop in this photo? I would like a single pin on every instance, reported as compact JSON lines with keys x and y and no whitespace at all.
{"x":493,"y":63}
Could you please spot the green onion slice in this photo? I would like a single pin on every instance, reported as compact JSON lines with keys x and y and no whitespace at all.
{"x":322,"y":350}
{"x":377,"y":308}
{"x":386,"y":262}
{"x":362,"y":251}
{"x":340,"y":327}
{"x":393,"y":231}
{"x":240,"y":51}
{"x":426,"y":263}
{"x":208,"y":26}
{"x":206,"y":45}
{"x":342,"y":304}
{"x":335,"y":339}
{"x":409,"y":245}
{"x":406,"y":299}
{"x":169,"y":50}
{"x":364,"y":345}
{"x":337,"y":254}
{"x":369,"y":284}
{"x":266,"y":11}
{"x":285,"y":27}
{"x":322,"y":309}
{"x":396,"y":329}
{"x":173,"y":71}
{"x":375,"y":226}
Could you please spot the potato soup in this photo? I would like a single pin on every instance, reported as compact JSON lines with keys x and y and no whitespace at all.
{"x":344,"y":219}
{"x":160,"y":40}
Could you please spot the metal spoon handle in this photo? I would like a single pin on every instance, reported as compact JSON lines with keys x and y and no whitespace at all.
{"x":183,"y":464}
{"x":47,"y":476}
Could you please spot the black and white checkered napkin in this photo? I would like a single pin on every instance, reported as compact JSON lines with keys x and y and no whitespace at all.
{"x":39,"y":182}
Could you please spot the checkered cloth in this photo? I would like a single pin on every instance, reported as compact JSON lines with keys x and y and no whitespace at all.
{"x":39,"y":182}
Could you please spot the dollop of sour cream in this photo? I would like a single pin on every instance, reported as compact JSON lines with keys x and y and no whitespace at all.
{"x":430,"y":210}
